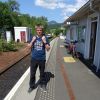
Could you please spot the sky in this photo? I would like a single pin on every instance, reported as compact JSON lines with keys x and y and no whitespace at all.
{"x":58,"y":10}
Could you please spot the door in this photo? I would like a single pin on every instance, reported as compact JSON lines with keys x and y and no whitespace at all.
{"x":93,"y":40}
{"x":23,"y":36}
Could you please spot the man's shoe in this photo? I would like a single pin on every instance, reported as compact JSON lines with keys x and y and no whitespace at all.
{"x":31,"y":89}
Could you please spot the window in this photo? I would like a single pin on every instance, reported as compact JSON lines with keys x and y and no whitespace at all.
{"x":81,"y":33}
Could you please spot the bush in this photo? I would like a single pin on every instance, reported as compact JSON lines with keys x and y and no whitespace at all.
{"x":4,"y":46}
{"x":1,"y":48}
{"x":9,"y":47}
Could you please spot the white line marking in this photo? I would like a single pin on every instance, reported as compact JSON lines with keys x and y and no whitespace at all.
{"x":17,"y":85}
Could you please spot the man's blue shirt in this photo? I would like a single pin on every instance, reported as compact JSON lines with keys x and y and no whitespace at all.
{"x":38,"y":49}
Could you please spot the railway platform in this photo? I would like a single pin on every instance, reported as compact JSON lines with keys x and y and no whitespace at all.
{"x":67,"y":79}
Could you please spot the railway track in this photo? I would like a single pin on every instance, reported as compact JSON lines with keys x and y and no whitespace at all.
{"x":10,"y":77}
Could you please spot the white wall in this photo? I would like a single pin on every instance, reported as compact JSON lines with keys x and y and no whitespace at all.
{"x":68,"y":36}
{"x":97,"y":46}
{"x":87,"y":39}
{"x":96,"y":61}
{"x":27,"y":32}
{"x":74,"y":27}
{"x":8,"y":36}
{"x":73,"y":30}
{"x":17,"y":32}
{"x":81,"y":45}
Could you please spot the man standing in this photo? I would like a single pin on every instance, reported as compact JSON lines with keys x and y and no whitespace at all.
{"x":38,"y":45}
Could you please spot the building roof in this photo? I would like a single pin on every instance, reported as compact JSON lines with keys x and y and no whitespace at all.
{"x":83,"y":11}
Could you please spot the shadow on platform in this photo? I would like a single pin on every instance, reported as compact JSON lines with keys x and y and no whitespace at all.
{"x":48,"y":76}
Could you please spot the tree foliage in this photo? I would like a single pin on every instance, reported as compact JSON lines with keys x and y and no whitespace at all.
{"x":10,"y":17}
{"x":13,"y":5}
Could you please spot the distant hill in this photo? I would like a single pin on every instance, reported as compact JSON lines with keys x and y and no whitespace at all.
{"x":54,"y":24}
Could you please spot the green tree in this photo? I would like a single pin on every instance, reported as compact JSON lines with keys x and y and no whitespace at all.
{"x":28,"y":21}
{"x":5,"y":18}
{"x":10,"y":17}
{"x":43,"y":21}
{"x":57,"y":31}
{"x":13,"y":5}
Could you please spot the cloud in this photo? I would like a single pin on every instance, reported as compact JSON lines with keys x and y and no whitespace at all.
{"x":69,"y":9}
{"x":80,"y":3}
{"x":49,"y":4}
{"x":65,"y":17}
{"x":66,"y":8}
{"x":61,"y":5}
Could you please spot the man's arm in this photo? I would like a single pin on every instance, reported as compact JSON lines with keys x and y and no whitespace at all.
{"x":31,"y":43}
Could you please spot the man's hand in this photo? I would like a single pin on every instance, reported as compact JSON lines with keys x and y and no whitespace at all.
{"x":47,"y":47}
{"x":31,"y":43}
{"x":44,"y":39}
{"x":33,"y":39}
